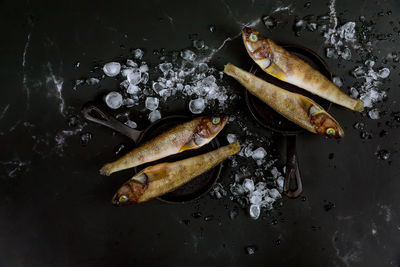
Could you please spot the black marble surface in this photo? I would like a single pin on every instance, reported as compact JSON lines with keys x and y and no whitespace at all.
{"x":55,"y":208}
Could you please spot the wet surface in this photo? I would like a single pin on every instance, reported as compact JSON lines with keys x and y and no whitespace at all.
{"x":55,"y":207}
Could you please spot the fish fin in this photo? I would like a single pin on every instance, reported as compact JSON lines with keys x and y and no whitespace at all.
{"x":189,"y":145}
{"x":155,"y":172}
{"x":274,"y":70}
{"x":141,"y":178}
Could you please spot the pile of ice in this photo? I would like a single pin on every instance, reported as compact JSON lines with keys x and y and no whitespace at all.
{"x":369,"y":91}
{"x":183,"y":76}
{"x":195,"y":81}
{"x":257,"y":195}
{"x":257,"y":183}
{"x":338,"y":39}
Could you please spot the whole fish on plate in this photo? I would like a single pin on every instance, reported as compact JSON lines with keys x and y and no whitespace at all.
{"x":159,"y":179}
{"x":278,"y":62}
{"x":189,"y":135}
{"x":295,"y":107}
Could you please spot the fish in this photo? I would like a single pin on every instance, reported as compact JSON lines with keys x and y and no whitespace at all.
{"x":162,"y":178}
{"x":189,"y":135}
{"x":297,"y":108}
{"x":278,"y":62}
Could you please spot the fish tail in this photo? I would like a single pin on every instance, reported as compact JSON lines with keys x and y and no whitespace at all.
{"x":229,"y":69}
{"x":106,"y":169}
{"x":235,"y":148}
{"x":359,"y":106}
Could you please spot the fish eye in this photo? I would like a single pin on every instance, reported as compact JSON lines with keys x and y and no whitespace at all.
{"x":330,"y":131}
{"x":215,"y":120}
{"x":253,"y":37}
{"x":123,"y":198}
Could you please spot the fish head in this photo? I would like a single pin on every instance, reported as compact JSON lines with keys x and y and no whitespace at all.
{"x":209,"y":127}
{"x":130,"y":192}
{"x":257,"y":46}
{"x":324,"y":123}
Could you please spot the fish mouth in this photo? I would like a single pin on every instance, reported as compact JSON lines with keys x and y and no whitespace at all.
{"x":116,"y":203}
{"x":224,"y":119}
{"x":246,"y":31}
{"x":340,"y":132}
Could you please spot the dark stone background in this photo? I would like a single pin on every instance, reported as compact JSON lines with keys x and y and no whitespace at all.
{"x":56,"y":211}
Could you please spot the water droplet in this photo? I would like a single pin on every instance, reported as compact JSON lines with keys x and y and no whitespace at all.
{"x":211,"y":28}
{"x":250,"y":250}
{"x":85,"y":138}
{"x":383,"y":154}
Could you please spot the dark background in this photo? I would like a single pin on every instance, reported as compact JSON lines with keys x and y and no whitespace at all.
{"x":55,"y":210}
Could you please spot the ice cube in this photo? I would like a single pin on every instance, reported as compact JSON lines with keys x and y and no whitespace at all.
{"x":198,"y":44}
{"x":370,"y":97}
{"x":133,"y":89}
{"x":259,"y":153}
{"x":112,"y":69}
{"x":144,"y":68}
{"x":374,"y":114}
{"x":353,"y":92}
{"x":346,"y":54}
{"x":275,"y":173}
{"x":197,"y":106}
{"x":331,"y":53}
{"x":134,"y":77}
{"x":157,"y":87}
{"x":126,"y":72}
{"x":269,"y":22}
{"x":92,"y":81}
{"x":188,"y":55}
{"x":113,"y":100}
{"x":138,"y":53}
{"x":260,"y":186}
{"x":85,"y":138}
{"x":248,"y":150}
{"x":231,"y":138}
{"x":254,"y":211}
{"x":312,"y":26}
{"x":203,"y":67}
{"x":131,"y":124}
{"x":145,"y":77}
{"x":384,"y":73}
{"x":209,"y":81}
{"x":128,"y":102}
{"x":237,"y":189}
{"x":248,"y":185}
{"x":130,"y":62}
{"x":151,"y":103}
{"x":359,"y":72}
{"x":218,"y":191}
{"x":154,"y":116}
{"x":337,"y":81}
{"x":165,"y":67}
{"x":255,"y":199}
{"x":280,"y":181}
{"x":369,"y":63}
{"x":347,"y":31}
{"x":273,"y":193}
{"x":268,"y":200}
